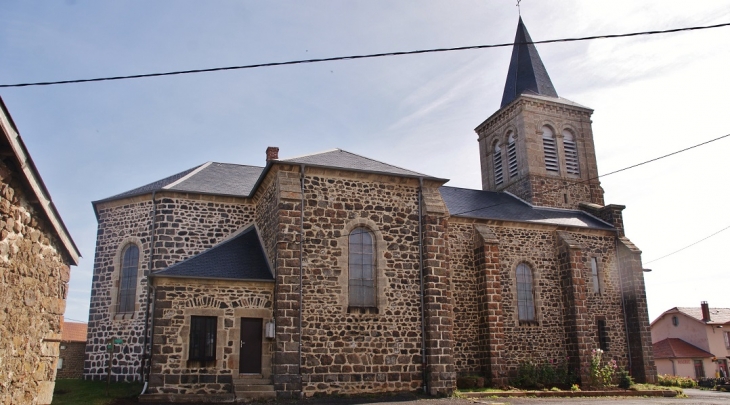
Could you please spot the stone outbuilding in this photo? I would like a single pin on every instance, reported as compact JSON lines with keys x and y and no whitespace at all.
{"x":71,"y":350}
{"x":36,"y":251}
{"x":333,"y":273}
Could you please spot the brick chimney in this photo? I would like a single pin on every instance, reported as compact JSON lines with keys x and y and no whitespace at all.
{"x":705,"y":311}
{"x":272,"y":153}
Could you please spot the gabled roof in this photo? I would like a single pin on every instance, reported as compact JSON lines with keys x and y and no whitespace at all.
{"x":673,"y":348}
{"x":526,"y":73}
{"x":717,"y":315}
{"x":482,"y":204}
{"x":240,"y":257}
{"x":12,"y":141}
{"x":338,"y":158}
{"x":73,"y":332}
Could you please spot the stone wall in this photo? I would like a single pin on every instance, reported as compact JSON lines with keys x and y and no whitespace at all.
{"x":229,"y":300}
{"x":72,"y":354}
{"x":353,"y":351}
{"x":185,"y":225}
{"x":33,"y":288}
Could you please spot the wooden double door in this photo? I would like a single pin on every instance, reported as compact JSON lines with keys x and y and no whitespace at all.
{"x":250,"y":346}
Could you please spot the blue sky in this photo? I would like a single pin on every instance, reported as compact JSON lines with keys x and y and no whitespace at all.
{"x":651,"y":95}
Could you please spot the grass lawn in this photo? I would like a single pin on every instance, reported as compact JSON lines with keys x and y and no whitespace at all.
{"x":77,"y":391}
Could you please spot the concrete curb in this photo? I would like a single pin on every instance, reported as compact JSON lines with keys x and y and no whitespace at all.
{"x":570,"y":394}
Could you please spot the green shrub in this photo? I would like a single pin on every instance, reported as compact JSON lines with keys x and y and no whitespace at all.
{"x":624,"y":379}
{"x":676,"y":381}
{"x":541,"y":375}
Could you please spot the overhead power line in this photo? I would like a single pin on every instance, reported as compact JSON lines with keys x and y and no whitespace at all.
{"x":367,"y":56}
{"x":689,"y":246}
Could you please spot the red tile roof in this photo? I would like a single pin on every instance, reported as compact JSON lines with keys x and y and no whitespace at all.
{"x":672,"y":348}
{"x":73,"y":332}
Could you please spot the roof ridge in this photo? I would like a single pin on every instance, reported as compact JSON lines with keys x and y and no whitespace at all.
{"x":380,"y":161}
{"x":187,"y":176}
{"x":309,"y":154}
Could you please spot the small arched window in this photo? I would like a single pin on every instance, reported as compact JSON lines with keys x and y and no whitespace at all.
{"x":551,"y":150}
{"x":361,"y":268}
{"x":128,"y":279}
{"x":512,"y":156}
{"x":571,"y":153}
{"x":498,"y":171}
{"x":525,"y":294}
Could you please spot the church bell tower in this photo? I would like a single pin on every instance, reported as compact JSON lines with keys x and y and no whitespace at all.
{"x":538,"y":145}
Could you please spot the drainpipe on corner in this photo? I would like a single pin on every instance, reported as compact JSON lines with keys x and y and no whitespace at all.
{"x":623,"y":302}
{"x":301,"y":270}
{"x":144,"y":373}
{"x":424,"y":363}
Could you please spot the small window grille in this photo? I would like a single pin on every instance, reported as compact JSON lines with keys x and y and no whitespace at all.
{"x":498,"y":172}
{"x":512,"y":156}
{"x":203,"y":338}
{"x":596,"y":278}
{"x":727,"y":340}
{"x":571,"y":154}
{"x":551,"y":150}
{"x":675,"y":322}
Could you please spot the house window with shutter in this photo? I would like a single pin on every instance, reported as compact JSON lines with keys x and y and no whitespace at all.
{"x":498,"y":171}
{"x":512,"y":156}
{"x":128,"y":279}
{"x":361,"y":265}
{"x":571,"y":154}
{"x":550,"y":149}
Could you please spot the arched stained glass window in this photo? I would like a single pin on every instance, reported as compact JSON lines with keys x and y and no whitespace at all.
{"x":498,"y":171}
{"x":550,"y":149}
{"x":362,"y":268}
{"x":128,"y":279}
{"x":525,"y":294}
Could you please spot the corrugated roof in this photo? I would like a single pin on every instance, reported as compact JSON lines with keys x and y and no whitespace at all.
{"x":73,"y":332}
{"x":338,"y":158}
{"x":526,"y":73}
{"x":673,"y":348}
{"x":463,"y":202}
{"x":240,"y":257}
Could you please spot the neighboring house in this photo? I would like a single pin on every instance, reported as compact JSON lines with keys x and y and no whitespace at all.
{"x":692,"y":342}
{"x":333,"y":273}
{"x":36,"y":251}
{"x":73,"y":346}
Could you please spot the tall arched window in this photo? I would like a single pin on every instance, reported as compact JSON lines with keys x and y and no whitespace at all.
{"x":551,"y":150}
{"x":128,"y":279}
{"x":571,"y":153}
{"x":361,"y":269}
{"x":525,"y":294}
{"x":497,"y":159}
{"x":512,"y":156}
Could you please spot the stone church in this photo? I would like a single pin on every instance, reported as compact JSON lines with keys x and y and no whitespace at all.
{"x":333,"y":273}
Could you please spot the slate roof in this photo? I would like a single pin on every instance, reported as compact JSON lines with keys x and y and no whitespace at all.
{"x":463,"y":202}
{"x":240,"y":257}
{"x":526,"y":73}
{"x":338,"y":158}
{"x":208,"y":178}
{"x":73,"y":332}
{"x":673,"y":348}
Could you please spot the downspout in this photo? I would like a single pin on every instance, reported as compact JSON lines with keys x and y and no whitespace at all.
{"x":152,"y":336}
{"x":147,"y":352}
{"x":424,"y":363}
{"x":623,"y":302}
{"x":301,"y":268}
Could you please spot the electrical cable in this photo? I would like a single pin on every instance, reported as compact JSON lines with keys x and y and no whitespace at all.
{"x":367,"y":56}
{"x":688,"y":246}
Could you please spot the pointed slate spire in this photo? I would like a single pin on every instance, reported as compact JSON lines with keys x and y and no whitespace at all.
{"x":526,"y":72}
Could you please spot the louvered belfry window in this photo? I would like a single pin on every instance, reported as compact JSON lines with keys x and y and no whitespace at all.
{"x":525,"y":294}
{"x":362,"y":269}
{"x":571,"y":154}
{"x":551,"y":150}
{"x":128,"y":279}
{"x":498,"y":171}
{"x":512,"y":156}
